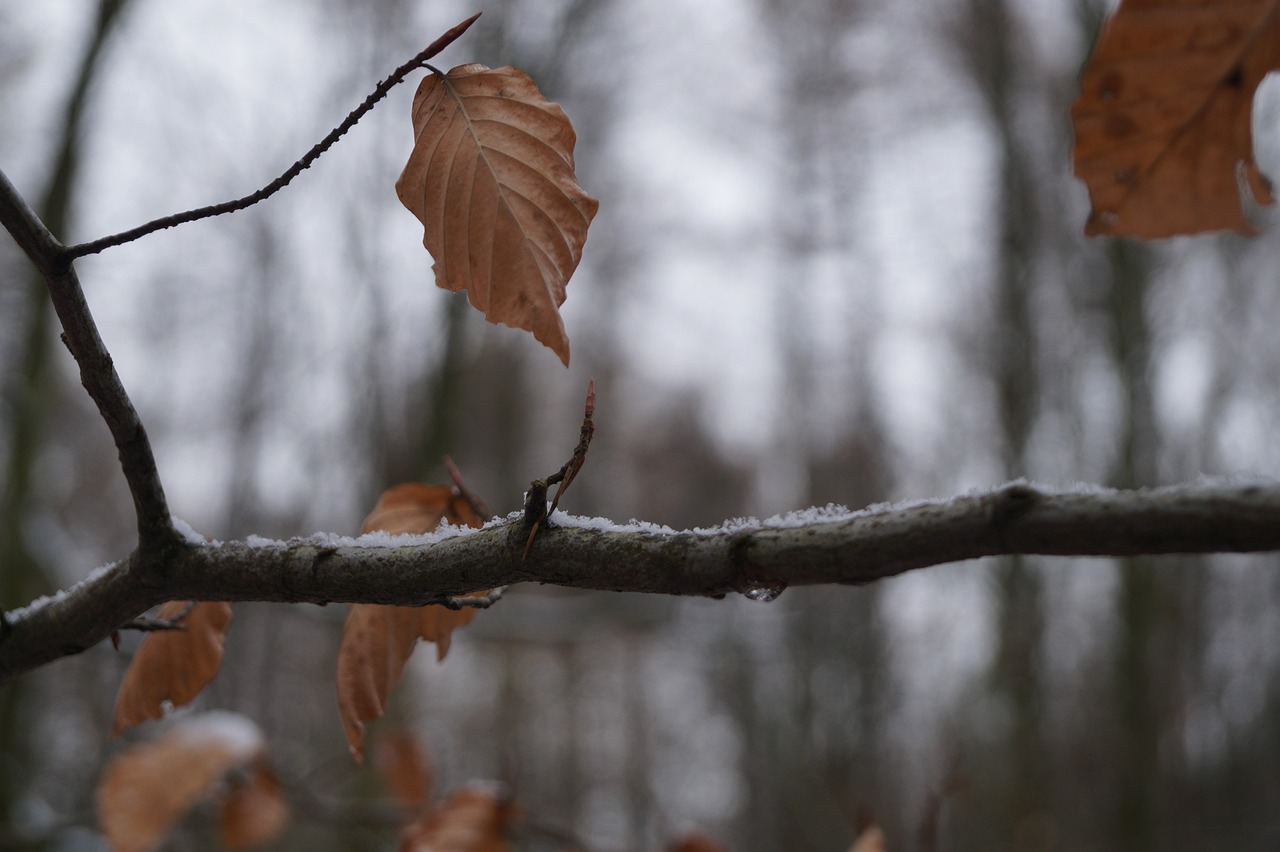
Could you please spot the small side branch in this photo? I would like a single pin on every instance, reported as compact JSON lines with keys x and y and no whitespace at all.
{"x":475,"y":501}
{"x":304,"y":163}
{"x":535,"y":500}
{"x":97,"y":370}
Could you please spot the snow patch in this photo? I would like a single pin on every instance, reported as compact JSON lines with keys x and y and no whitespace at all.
{"x":377,"y":538}
{"x":828,"y":514}
{"x":562,"y":519}
{"x":231,"y":731}
{"x":188,"y":533}
{"x":43,"y":601}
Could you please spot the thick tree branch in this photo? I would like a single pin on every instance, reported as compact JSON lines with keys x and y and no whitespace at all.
{"x":844,"y":548}
{"x":97,"y":370}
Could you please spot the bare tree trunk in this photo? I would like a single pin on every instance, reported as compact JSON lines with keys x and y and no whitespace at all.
{"x":1141,"y":593}
{"x":817,"y":461}
{"x":993,"y":37}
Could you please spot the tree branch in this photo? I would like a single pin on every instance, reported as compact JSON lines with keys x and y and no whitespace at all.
{"x":80,"y":332}
{"x":843,"y":548}
{"x":97,"y":370}
{"x":304,"y":163}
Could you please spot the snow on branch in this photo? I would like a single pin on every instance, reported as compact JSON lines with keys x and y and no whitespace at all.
{"x":814,"y":547}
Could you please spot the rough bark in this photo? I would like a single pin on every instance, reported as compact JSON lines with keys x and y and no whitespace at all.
{"x":859,"y":547}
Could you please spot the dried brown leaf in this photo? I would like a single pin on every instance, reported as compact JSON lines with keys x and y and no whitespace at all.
{"x":172,"y":666}
{"x":378,"y":640}
{"x":696,"y":841}
{"x":472,"y":819}
{"x":1163,"y":123}
{"x":253,"y":810}
{"x":871,"y":839}
{"x":405,"y":768}
{"x":145,"y":789}
{"x":491,"y":178}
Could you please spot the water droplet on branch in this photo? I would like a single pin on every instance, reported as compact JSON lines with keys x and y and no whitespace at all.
{"x":764,"y":592}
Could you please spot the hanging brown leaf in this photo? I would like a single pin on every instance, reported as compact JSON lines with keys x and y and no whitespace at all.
{"x":491,"y":179}
{"x":146,"y":789}
{"x":378,"y":640}
{"x":871,"y":839}
{"x":253,"y":810}
{"x":696,"y":841}
{"x":472,"y":819}
{"x":1163,"y":121}
{"x":405,"y":768}
{"x":172,"y":666}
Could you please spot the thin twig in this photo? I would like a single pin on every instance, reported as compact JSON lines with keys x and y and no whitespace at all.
{"x":474,"y":500}
{"x":535,"y":510}
{"x":535,"y":504}
{"x":579,"y":458}
{"x":95,"y":246}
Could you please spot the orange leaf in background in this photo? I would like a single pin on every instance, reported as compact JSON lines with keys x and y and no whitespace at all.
{"x":405,"y":768}
{"x":871,"y":839}
{"x":147,"y":788}
{"x":172,"y":666}
{"x":696,"y":841}
{"x":472,"y":819}
{"x":491,"y":179}
{"x":378,"y":640}
{"x":414,"y":509}
{"x":253,"y":811}
{"x":1163,"y":121}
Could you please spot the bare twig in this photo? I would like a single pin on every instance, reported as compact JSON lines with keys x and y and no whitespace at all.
{"x":419,"y":61}
{"x":535,"y":503}
{"x":853,"y":548}
{"x":535,"y":511}
{"x":477,"y":505}
{"x":579,"y":458}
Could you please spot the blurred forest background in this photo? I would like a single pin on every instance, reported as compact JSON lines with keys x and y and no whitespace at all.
{"x":839,"y":258}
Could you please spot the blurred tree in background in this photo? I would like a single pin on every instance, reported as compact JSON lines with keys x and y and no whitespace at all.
{"x":838,"y":259}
